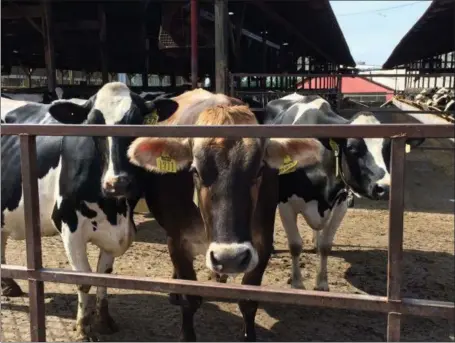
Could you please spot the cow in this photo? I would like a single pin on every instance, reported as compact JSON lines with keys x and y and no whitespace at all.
{"x":87,"y":188}
{"x":44,"y":98}
{"x":236,"y":181}
{"x":320,"y":192}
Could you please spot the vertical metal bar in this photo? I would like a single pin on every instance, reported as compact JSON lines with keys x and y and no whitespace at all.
{"x":146,"y":42}
{"x":194,"y":42}
{"x":221,"y":45}
{"x":395,"y":251}
{"x":103,"y":43}
{"x":49,"y":45}
{"x":339,"y":92}
{"x":33,"y":236}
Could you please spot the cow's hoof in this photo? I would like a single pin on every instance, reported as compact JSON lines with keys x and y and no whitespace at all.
{"x":11,"y":289}
{"x":323,"y":286}
{"x":86,"y":336}
{"x":296,"y":284}
{"x":221,"y":278}
{"x":106,"y":325}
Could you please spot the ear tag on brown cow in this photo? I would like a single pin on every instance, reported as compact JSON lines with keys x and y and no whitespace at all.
{"x":336,"y":152}
{"x":408,"y":148}
{"x":166,"y":164}
{"x":288,"y":166}
{"x":151,"y":118}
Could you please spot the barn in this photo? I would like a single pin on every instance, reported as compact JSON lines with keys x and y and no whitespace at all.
{"x":392,"y":265}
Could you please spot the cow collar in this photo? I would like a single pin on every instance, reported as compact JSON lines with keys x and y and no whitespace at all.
{"x":338,"y":167}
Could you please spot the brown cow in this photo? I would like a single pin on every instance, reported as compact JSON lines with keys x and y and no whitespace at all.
{"x":236,"y":181}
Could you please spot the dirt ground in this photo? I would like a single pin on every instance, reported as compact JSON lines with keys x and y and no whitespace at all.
{"x":358,"y":265}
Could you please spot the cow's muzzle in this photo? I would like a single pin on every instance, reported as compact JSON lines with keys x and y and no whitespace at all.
{"x":231,"y":258}
{"x":117,"y":186}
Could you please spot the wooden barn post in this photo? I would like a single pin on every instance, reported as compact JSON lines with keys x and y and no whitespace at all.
{"x":221,"y":46}
{"x":49,"y":45}
{"x":194,"y":42}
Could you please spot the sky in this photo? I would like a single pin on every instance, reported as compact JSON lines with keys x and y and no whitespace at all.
{"x":372,"y":29}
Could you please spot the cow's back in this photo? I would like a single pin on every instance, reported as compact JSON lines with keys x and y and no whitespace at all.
{"x":48,"y":156}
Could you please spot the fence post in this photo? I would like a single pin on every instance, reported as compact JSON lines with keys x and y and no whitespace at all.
{"x":33,"y":236}
{"x":395,"y":249}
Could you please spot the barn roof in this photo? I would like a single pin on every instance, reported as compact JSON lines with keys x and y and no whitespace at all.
{"x":308,"y":26}
{"x":432,"y":35}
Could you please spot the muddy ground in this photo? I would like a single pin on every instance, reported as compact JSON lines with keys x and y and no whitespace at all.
{"x":357,"y":265}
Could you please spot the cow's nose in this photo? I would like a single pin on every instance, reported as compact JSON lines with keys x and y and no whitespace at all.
{"x":117,"y":186}
{"x":231,"y":258}
{"x":381,"y":191}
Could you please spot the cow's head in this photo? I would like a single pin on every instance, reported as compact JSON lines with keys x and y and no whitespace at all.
{"x":228,"y":174}
{"x":366,"y":161}
{"x":114,"y":104}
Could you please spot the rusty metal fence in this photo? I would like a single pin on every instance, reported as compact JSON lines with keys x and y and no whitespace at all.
{"x":393,"y":303}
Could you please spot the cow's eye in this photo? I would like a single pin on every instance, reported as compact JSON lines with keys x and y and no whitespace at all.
{"x":352,"y":149}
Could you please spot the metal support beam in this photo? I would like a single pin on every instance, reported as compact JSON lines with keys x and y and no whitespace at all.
{"x":103,"y":43}
{"x":33,"y":236}
{"x":221,"y":46}
{"x":49,"y":45}
{"x":194,"y":42}
{"x":146,"y":41}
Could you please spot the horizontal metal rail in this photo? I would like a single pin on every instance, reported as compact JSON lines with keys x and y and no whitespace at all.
{"x":236,"y":131}
{"x":338,"y":74}
{"x":393,"y":304}
{"x":361,"y":302}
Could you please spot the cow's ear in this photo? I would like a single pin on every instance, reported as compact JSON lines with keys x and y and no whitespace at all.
{"x":67,"y":112}
{"x":164,"y":107}
{"x":160,"y":155}
{"x":287,"y":155}
{"x":413,"y":143}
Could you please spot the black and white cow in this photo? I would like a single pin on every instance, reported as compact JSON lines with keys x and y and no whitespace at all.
{"x":87,"y":187}
{"x":44,"y":98}
{"x":320,"y":192}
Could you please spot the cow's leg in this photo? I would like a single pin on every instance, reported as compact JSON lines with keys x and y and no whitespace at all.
{"x":325,"y":242}
{"x":9,"y":287}
{"x":184,"y":269}
{"x":248,"y":307}
{"x":76,"y":250}
{"x":105,"y":324}
{"x":289,"y":220}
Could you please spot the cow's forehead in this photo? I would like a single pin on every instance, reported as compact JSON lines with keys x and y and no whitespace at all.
{"x":239,"y":153}
{"x":113,"y":100}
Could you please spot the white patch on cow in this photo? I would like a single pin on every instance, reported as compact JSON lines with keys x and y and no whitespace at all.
{"x":230,"y":250}
{"x":316,"y":104}
{"x":309,"y":211}
{"x":114,"y":239}
{"x":8,"y":105}
{"x":48,"y":188}
{"x":293,"y":96}
{"x":113,"y":100}
{"x":374,"y":146}
{"x":110,"y":172}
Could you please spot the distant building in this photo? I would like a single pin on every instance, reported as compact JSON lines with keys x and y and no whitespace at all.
{"x":357,"y":88}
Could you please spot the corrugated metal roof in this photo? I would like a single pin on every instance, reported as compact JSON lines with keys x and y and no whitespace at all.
{"x":432,"y":35}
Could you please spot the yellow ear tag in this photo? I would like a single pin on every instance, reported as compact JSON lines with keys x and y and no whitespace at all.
{"x":336,"y":151}
{"x":151,"y":118}
{"x":166,"y":164}
{"x":408,"y":148}
{"x":288,"y":166}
